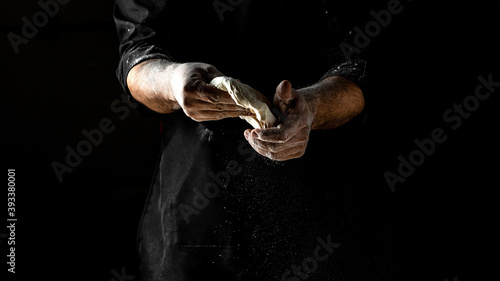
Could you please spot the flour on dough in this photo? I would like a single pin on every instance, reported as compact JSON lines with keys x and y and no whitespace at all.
{"x":247,"y":97}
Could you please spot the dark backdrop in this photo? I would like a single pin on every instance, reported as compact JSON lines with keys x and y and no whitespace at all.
{"x":63,"y":81}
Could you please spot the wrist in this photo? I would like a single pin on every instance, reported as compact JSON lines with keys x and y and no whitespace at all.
{"x":166,"y":76}
{"x":312,"y":102}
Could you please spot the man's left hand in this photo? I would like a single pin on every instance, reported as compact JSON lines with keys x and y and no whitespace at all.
{"x":289,"y":139}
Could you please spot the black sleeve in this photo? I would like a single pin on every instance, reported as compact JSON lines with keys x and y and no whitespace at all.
{"x":353,"y":68}
{"x":137,"y":23}
{"x":344,"y":58}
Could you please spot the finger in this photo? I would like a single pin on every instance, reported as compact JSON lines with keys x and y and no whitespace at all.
{"x":283,"y":93}
{"x":273,"y":134}
{"x":273,"y":147}
{"x":200,"y":90}
{"x":206,"y":111}
{"x":287,"y":154}
{"x":230,"y":113}
{"x":217,"y":115}
{"x":212,"y":94}
{"x":207,"y":106}
{"x":279,"y":134}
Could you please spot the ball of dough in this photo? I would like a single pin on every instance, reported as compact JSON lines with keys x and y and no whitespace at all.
{"x":247,"y":97}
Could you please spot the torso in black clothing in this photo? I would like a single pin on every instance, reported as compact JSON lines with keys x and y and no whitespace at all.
{"x":217,"y":208}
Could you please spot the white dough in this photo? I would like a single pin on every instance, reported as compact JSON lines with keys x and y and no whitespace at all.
{"x":247,"y":97}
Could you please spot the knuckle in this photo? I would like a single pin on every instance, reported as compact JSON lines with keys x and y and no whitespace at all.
{"x":192,"y":85}
{"x":307,"y":128}
{"x":190,"y":111}
{"x":303,"y":144}
{"x":187,"y":103}
{"x":194,"y":117}
{"x":301,"y":153}
{"x":303,"y":138}
{"x":273,"y":148}
{"x":214,"y":98}
{"x":304,"y":134}
{"x":272,"y":156}
{"x":302,"y":149}
{"x":218,"y":106}
{"x":221,"y":115}
{"x":282,"y":137}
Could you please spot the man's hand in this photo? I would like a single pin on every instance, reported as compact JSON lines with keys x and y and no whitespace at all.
{"x":165,"y":87}
{"x":325,"y":105}
{"x":289,"y":139}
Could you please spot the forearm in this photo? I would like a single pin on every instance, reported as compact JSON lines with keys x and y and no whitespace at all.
{"x":333,"y":102}
{"x":149,"y":83}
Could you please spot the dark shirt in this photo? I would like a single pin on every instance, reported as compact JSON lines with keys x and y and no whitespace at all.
{"x":219,"y":210}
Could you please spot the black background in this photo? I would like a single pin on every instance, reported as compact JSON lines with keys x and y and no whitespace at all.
{"x":63,"y":81}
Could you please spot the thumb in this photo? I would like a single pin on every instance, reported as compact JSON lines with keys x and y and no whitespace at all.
{"x":283,"y":94}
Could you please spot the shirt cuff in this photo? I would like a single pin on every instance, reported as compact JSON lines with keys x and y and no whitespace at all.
{"x":131,"y":58}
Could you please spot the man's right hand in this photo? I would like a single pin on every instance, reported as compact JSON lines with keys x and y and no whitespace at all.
{"x":165,"y":87}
